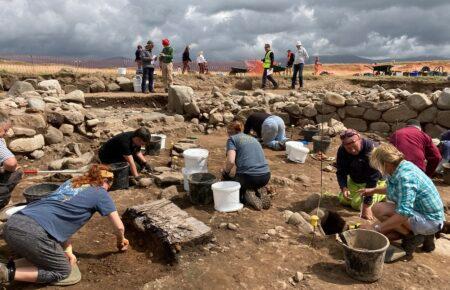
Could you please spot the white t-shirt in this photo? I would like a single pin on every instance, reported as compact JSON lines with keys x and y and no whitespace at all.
{"x":201,"y":59}
{"x":301,"y":55}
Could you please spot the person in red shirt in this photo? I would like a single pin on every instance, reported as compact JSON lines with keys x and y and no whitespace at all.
{"x":417,"y":147}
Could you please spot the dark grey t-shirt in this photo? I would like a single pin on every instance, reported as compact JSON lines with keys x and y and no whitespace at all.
{"x":61,"y":219}
{"x":250,"y":157}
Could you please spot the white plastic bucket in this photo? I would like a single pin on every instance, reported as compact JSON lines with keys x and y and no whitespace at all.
{"x":137,"y":82}
{"x":122,"y":71}
{"x":297,"y":152}
{"x":163,"y":140}
{"x":226,"y":196}
{"x":290,"y":144}
{"x":186,"y":175}
{"x":196,"y":159}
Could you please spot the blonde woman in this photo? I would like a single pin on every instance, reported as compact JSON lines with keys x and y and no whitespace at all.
{"x":414,"y":211}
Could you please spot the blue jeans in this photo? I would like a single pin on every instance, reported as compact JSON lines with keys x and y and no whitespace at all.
{"x":273,"y":132}
{"x":298,"y":68}
{"x":147,"y":74}
{"x":422,"y":226}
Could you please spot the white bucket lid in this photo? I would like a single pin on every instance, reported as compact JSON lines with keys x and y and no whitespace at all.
{"x":226,"y":185}
{"x":294,"y":144}
{"x":195,"y":153}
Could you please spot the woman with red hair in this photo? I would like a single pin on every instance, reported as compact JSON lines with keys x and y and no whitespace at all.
{"x":252,"y":170}
{"x":41,"y":231}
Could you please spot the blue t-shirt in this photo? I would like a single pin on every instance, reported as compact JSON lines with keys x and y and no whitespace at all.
{"x":65,"y":191}
{"x":250,"y":158}
{"x":62,"y":218}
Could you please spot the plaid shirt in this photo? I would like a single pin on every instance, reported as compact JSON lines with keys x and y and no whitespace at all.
{"x":4,"y":151}
{"x":413,"y":191}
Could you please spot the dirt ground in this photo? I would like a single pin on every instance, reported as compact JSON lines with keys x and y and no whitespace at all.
{"x":239,"y":259}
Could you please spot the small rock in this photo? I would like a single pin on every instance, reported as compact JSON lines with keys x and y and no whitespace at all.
{"x":223,"y":225}
{"x":232,"y":227}
{"x":264,"y":237}
{"x":272,"y":232}
{"x":287,"y":215}
{"x":295,"y":219}
{"x":67,"y":129}
{"x":37,"y":154}
{"x":145,"y":182}
{"x":179,"y":118}
{"x":53,"y":136}
{"x":329,"y":168}
{"x":169,"y":192}
{"x":291,"y":281}
{"x":298,"y":277}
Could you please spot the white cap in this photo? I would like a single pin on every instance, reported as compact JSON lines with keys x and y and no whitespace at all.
{"x":299,"y":42}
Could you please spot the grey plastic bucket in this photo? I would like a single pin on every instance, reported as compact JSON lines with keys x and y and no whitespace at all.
{"x":200,"y":191}
{"x":364,"y":254}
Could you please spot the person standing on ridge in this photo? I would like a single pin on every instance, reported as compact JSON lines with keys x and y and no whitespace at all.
{"x":300,"y":59}
{"x":268,"y":67}
{"x":186,"y":59}
{"x":166,"y":61}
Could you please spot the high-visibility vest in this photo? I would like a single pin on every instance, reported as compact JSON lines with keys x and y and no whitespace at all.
{"x":267,"y":61}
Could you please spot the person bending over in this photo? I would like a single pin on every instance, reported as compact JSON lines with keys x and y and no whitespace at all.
{"x":41,"y":231}
{"x":414,"y":210}
{"x":126,"y":147}
{"x":269,"y":128}
{"x":354,"y":172}
{"x":252,"y":170}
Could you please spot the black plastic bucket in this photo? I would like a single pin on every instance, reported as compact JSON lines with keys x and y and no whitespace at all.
{"x":200,"y":191}
{"x":308,"y":133}
{"x":321,"y":143}
{"x":39,"y":191}
{"x":121,"y":171}
{"x":154,"y":146}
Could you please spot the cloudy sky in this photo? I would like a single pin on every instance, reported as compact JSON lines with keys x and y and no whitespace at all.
{"x":227,"y":29}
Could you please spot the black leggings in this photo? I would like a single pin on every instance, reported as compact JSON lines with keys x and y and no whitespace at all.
{"x":252,"y":182}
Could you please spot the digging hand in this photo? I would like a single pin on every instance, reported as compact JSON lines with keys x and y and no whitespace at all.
{"x":122,"y":245}
{"x":346,"y":193}
{"x":72,"y":258}
{"x":134,"y":180}
{"x":150,"y":168}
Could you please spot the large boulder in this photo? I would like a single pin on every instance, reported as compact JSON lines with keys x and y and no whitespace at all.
{"x":113,"y":87}
{"x":428,"y":115}
{"x":372,"y":115}
{"x":356,"y":123}
{"x":69,"y":88}
{"x":325,"y":108}
{"x":125,"y":84}
{"x":32,"y":121}
{"x":191,"y":109}
{"x":334,"y":99}
{"x":443,"y":118}
{"x":178,"y":97}
{"x":35,"y":105}
{"x":18,"y":88}
{"x":27,"y":145}
{"x":382,"y":127}
{"x":245,"y":84}
{"x":419,"y":101}
{"x":51,"y":86}
{"x":354,"y":111}
{"x":399,"y":114}
{"x":73,"y":117}
{"x":293,"y":109}
{"x":435,"y":131}
{"x":444,"y":99}
{"x":76,"y":96}
{"x":384,"y":106}
{"x":97,"y":87}
{"x":53,"y":136}
{"x":309,"y":111}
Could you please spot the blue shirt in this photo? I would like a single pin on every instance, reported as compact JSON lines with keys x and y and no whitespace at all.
{"x":250,"y":158}
{"x":61,"y":219}
{"x":413,"y":191}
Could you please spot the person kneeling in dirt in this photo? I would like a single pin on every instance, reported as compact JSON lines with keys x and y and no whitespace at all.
{"x":10,"y":173}
{"x":414,"y":210}
{"x":127,"y":147}
{"x":252,"y":169}
{"x":354,"y":172}
{"x":269,"y":128}
{"x":41,"y":231}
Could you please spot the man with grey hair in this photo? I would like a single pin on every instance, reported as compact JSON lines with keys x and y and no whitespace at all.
{"x":417,"y":147}
{"x":10,"y":174}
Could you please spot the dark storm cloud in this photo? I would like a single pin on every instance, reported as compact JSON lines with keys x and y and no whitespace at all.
{"x":226,"y":30}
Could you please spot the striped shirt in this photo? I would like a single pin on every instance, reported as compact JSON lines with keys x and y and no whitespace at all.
{"x":413,"y":191}
{"x":4,"y":151}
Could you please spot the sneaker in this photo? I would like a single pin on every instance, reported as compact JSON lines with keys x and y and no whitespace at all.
{"x":4,"y":273}
{"x":252,"y":200}
{"x":265,"y":198}
{"x":411,"y":242}
{"x":428,"y":244}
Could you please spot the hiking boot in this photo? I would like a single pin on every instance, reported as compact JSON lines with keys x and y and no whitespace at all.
{"x":4,"y":273}
{"x":252,"y":200}
{"x":428,"y":244}
{"x":265,"y":198}
{"x":410,"y":242}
